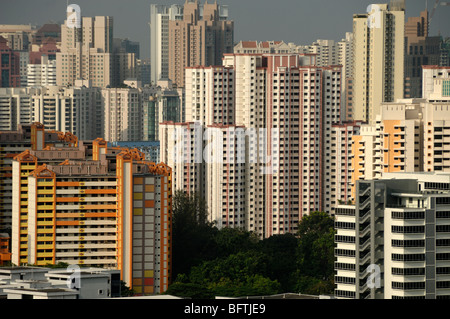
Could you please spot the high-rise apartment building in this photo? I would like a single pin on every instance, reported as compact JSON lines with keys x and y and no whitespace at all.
{"x":187,"y":35}
{"x":284,"y":106}
{"x":15,"y":108}
{"x":165,"y":105}
{"x":87,"y":52}
{"x":160,"y":15}
{"x":410,"y":135}
{"x":134,"y":114}
{"x":110,"y":209}
{"x":338,"y":186}
{"x":200,"y":39}
{"x":76,"y":109}
{"x":378,"y":58}
{"x":30,"y":136}
{"x":420,"y":49}
{"x":326,"y":52}
{"x":43,"y":74}
{"x":393,"y":242}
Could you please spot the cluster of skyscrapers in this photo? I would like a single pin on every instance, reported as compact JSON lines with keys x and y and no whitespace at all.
{"x":266,"y":132}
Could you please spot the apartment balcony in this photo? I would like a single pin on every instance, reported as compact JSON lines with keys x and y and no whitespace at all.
{"x":86,"y":254}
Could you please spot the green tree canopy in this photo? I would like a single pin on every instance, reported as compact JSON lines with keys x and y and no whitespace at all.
{"x":316,"y":246}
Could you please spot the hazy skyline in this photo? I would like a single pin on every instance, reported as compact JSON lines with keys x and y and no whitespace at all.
{"x":298,"y":21}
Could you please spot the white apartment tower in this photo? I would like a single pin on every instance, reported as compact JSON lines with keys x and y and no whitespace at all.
{"x":75,"y":110}
{"x":15,"y":108}
{"x":43,"y":74}
{"x":378,"y":59}
{"x":160,"y":15}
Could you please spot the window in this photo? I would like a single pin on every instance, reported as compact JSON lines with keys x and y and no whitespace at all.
{"x":408,"y":271}
{"x":408,"y":215}
{"x":408,"y":257}
{"x":408,"y":243}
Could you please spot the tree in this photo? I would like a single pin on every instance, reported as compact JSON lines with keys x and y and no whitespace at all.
{"x":241,"y":274}
{"x":192,"y":234}
{"x":189,"y":290}
{"x":125,"y":291}
{"x":230,"y":241}
{"x":316,"y":250}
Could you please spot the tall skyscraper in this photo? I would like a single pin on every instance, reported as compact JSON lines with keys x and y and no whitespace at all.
{"x":420,"y":49}
{"x":281,"y":108}
{"x":190,"y":35}
{"x":378,"y":58}
{"x":87,"y":52}
{"x":160,"y":15}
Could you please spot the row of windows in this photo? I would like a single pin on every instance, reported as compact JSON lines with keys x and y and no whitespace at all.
{"x":345,"y":280}
{"x":408,"y":285}
{"x":408,"y":229}
{"x":344,"y":225}
{"x":344,"y":239}
{"x":408,"y":271}
{"x":408,"y":243}
{"x":345,"y":211}
{"x":408,"y":257}
{"x":408,"y":215}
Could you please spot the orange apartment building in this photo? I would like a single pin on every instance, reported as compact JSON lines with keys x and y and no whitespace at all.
{"x":5,"y":255}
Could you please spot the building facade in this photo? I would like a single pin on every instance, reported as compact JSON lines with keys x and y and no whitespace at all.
{"x":285,"y":106}
{"x":393,"y":242}
{"x":378,"y":59}
{"x":111,"y":210}
{"x":199,"y":39}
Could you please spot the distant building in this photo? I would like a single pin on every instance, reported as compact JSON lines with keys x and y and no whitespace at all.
{"x":46,"y":32}
{"x":19,"y":37}
{"x":378,"y":49}
{"x":47,"y":283}
{"x":43,"y":74}
{"x":420,"y":50}
{"x":187,"y":36}
{"x":87,"y":53}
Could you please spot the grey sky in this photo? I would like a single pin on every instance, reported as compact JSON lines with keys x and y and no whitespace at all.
{"x":297,"y":21}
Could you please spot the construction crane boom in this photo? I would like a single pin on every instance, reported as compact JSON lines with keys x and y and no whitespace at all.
{"x":436,"y":4}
